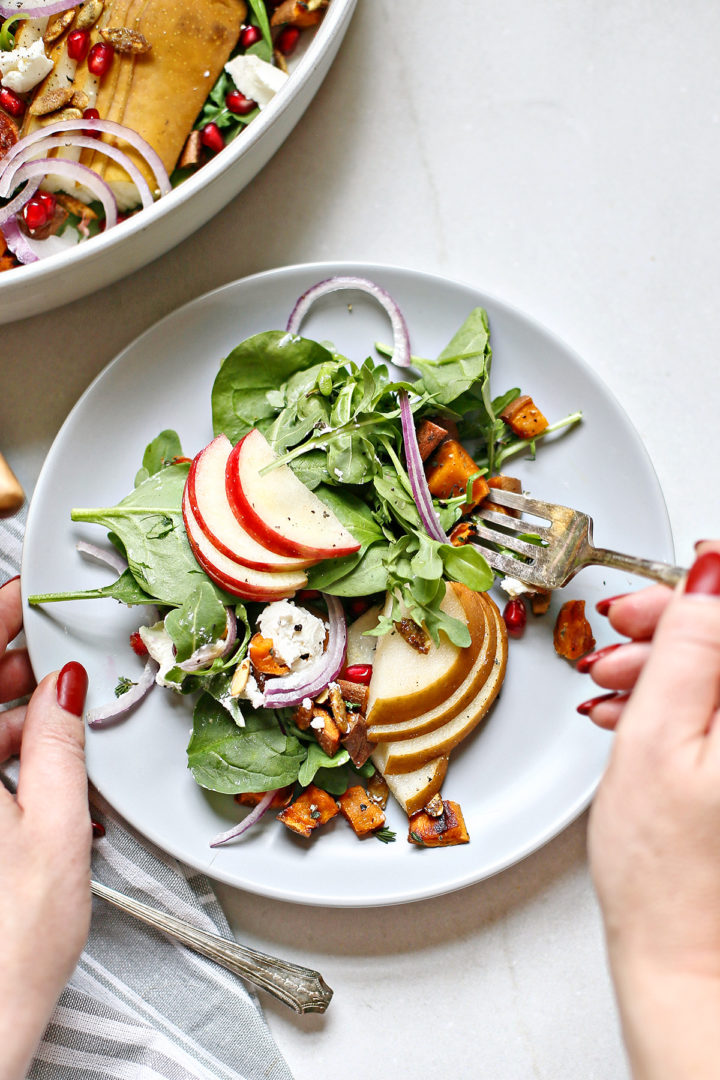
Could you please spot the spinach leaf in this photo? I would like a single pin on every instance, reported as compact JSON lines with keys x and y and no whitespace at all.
{"x":125,"y":589}
{"x":463,"y":364}
{"x":368,"y":574}
{"x":199,"y":620}
{"x":467,"y":565}
{"x":162,"y":451}
{"x":257,"y":757}
{"x":318,"y":759}
{"x":256,"y":367}
{"x":353,"y":513}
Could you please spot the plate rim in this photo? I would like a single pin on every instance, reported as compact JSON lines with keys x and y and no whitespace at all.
{"x":325,"y":268}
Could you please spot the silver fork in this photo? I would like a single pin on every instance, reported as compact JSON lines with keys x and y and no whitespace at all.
{"x":566,"y":544}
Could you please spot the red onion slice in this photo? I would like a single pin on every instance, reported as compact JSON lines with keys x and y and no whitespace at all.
{"x":247,"y":822}
{"x":291,"y":689}
{"x":35,"y":9}
{"x":416,"y":473}
{"x":401,"y":338}
{"x":10,"y":209}
{"x":74,"y":171}
{"x":104,"y":715}
{"x":204,"y":656}
{"x":18,"y":242}
{"x":108,"y":557}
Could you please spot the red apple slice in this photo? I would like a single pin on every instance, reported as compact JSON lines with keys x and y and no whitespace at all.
{"x":211,"y":510}
{"x":239,"y":580}
{"x":277,"y":509}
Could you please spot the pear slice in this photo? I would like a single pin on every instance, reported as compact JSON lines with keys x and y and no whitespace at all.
{"x":463,"y":696}
{"x":406,"y":682}
{"x":407,"y":755}
{"x":414,"y":790}
{"x":360,"y":647}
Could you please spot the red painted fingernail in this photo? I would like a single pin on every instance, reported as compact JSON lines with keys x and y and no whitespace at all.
{"x":704,"y":576}
{"x":699,"y":542}
{"x":586,"y":707}
{"x":603,"y":606}
{"x":72,"y":687}
{"x":98,"y":830}
{"x":16,"y":578}
{"x":586,"y":662}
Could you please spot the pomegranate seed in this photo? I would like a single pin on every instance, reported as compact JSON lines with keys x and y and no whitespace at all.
{"x":359,"y":673}
{"x":307,"y":594}
{"x":78,"y":44}
{"x":35,"y":214}
{"x":48,"y":202}
{"x":287,"y":39}
{"x":11,"y":102}
{"x":91,"y":114}
{"x":239,"y":104}
{"x":212,"y":137}
{"x":137,"y":644}
{"x":359,"y":605}
{"x":248,"y":37}
{"x":100,"y":58}
{"x":98,"y":830}
{"x":515,"y":617}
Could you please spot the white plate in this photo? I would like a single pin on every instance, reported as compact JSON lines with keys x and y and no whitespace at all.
{"x":535,"y":764}
{"x":80,"y":270}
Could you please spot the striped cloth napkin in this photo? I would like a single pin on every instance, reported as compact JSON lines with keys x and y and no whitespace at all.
{"x":139,"y":1006}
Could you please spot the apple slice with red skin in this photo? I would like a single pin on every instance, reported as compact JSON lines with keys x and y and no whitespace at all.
{"x":239,"y":580}
{"x":277,"y":509}
{"x":211,"y":510}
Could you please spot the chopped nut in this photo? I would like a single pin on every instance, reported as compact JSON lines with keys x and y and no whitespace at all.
{"x":280,"y":61}
{"x":51,"y":100}
{"x":240,"y":678}
{"x":322,"y":697}
{"x":573,"y":636}
{"x":354,"y":693}
{"x":435,"y":807}
{"x":414,"y":634}
{"x":88,"y":14}
{"x":356,"y":741}
{"x":75,"y":206}
{"x":124,"y":40}
{"x":67,"y":114}
{"x":540,"y":601}
{"x":337,"y":705}
{"x":57,"y":25}
{"x":378,"y":790}
{"x":80,"y":100}
{"x":192,"y":151}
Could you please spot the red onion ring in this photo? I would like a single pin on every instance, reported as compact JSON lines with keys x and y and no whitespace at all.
{"x":247,"y":822}
{"x":74,"y":171}
{"x":401,"y":358}
{"x":104,"y":127}
{"x":10,"y":209}
{"x":291,"y":689}
{"x":36,"y":9}
{"x":221,"y":648}
{"x":111,"y":558}
{"x":104,"y":715}
{"x":18,"y":242}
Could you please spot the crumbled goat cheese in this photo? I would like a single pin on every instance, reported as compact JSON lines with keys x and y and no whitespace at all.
{"x":297,"y":635}
{"x":253,"y":693}
{"x":24,"y":67}
{"x":159,"y":644}
{"x":318,"y":723}
{"x":514,"y":587}
{"x":255,"y":78}
{"x":306,"y":703}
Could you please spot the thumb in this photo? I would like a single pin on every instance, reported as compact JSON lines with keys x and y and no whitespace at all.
{"x":52,"y":754}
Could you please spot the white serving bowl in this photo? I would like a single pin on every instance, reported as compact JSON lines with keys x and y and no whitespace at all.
{"x":81,"y":269}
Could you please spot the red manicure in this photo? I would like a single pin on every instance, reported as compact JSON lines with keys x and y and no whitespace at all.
{"x":704,"y":576}
{"x":72,"y":687}
{"x":16,"y":578}
{"x":586,"y":662}
{"x":603,"y":606}
{"x":586,"y":707}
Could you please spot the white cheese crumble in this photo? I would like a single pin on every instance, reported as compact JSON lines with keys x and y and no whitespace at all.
{"x":514,"y":587}
{"x":24,"y":67}
{"x":255,"y":78}
{"x":159,"y":644}
{"x":253,"y":693}
{"x":318,"y":723}
{"x":297,"y":635}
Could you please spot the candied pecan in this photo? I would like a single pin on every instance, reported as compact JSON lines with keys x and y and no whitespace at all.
{"x":125,"y":40}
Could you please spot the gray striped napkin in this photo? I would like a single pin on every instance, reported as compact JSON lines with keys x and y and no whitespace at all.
{"x":139,"y":1006}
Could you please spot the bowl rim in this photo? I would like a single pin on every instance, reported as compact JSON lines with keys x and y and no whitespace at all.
{"x":96,"y":248}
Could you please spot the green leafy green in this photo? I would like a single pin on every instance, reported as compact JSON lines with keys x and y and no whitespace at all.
{"x":199,"y":620}
{"x":125,"y":589}
{"x":318,"y":759}
{"x":162,"y":451}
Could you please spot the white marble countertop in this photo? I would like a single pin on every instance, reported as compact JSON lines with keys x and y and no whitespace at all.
{"x":564,"y":158}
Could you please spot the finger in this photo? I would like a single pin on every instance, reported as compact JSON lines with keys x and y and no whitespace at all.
{"x":10,"y":613}
{"x":605,"y":711}
{"x":679,"y":687}
{"x":11,"y":726}
{"x":636,"y":615}
{"x":617,"y":667}
{"x":16,"y":677}
{"x":52,"y":755}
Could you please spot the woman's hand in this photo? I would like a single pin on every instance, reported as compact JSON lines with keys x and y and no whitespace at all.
{"x":655,"y":824}
{"x":45,"y":837}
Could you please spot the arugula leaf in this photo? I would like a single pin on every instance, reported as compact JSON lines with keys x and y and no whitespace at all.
{"x":200,"y":620}
{"x":257,"y":757}
{"x":162,"y":451}
{"x":256,"y":367}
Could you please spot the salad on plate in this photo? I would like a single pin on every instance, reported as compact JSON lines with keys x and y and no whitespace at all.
{"x":312,"y":578}
{"x":105,"y":106}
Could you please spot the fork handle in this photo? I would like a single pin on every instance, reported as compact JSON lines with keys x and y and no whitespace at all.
{"x":650,"y":568}
{"x":301,"y":988}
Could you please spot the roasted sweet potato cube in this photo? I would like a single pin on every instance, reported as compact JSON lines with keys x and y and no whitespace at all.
{"x":251,"y":798}
{"x":573,"y":636}
{"x":358,"y":808}
{"x":540,"y":601}
{"x":448,"y":472}
{"x":443,"y":831}
{"x":505,"y":483}
{"x":524,"y":418}
{"x":326,"y":730}
{"x":303,"y":716}
{"x":262,"y":656}
{"x":313,"y":808}
{"x":299,"y":13}
{"x":354,"y":693}
{"x":463,"y":533}
{"x":356,"y":741}
{"x":429,"y":437}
